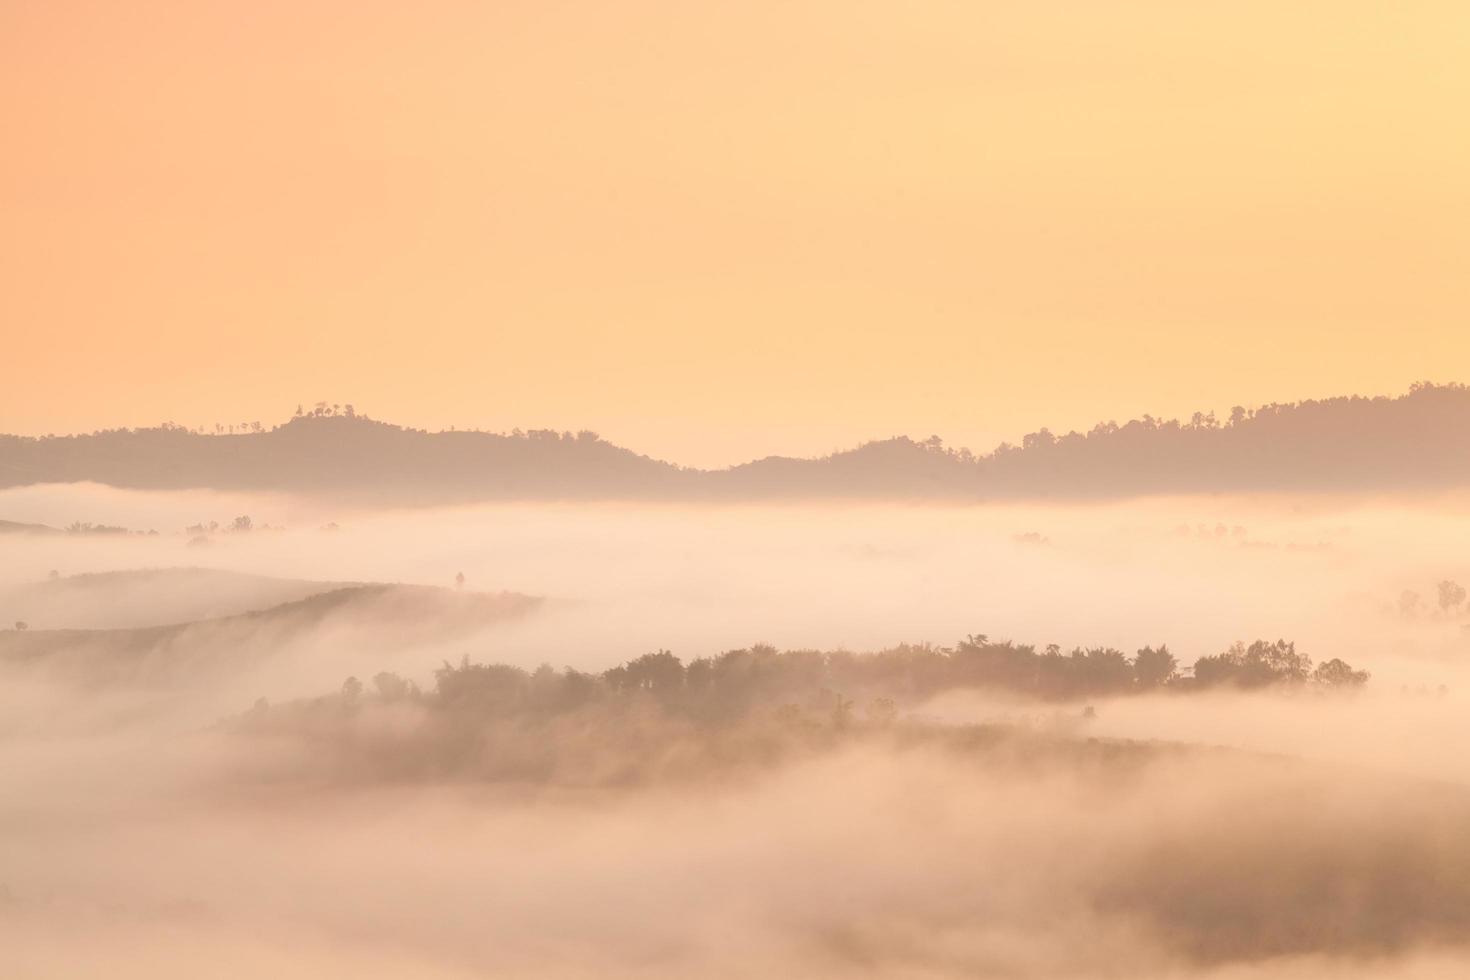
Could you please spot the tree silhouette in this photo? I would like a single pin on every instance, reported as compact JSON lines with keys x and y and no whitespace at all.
{"x":882,"y":711}
{"x":1336,"y":673}
{"x":1261,"y":664}
{"x":1154,"y":668}
{"x":1451,"y":595}
{"x":841,"y":712}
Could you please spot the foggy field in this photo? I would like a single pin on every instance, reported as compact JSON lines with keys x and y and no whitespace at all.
{"x":231,"y":804}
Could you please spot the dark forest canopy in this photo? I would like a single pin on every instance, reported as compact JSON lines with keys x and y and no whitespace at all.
{"x":1418,"y":441}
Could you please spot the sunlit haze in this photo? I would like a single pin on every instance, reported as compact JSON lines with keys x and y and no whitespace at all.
{"x":717,"y":231}
{"x":710,"y":490}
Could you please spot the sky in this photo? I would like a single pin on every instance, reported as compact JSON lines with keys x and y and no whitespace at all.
{"x":715,"y":231}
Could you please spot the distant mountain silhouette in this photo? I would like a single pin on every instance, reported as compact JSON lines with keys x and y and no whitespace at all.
{"x":1418,"y":441}
{"x":341,"y":454}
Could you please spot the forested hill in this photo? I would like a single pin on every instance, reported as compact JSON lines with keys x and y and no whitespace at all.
{"x":343,"y":455}
{"x":1419,"y":441}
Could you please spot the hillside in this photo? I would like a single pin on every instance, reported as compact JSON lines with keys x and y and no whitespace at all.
{"x":135,"y":598}
{"x":360,"y":617}
{"x":15,"y":527}
{"x":1420,"y":441}
{"x":339,"y":454}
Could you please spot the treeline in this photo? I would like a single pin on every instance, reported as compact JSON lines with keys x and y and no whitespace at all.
{"x":733,"y":684}
{"x":656,"y":717}
{"x":78,"y":528}
{"x":737,"y":681}
{"x":1420,"y":440}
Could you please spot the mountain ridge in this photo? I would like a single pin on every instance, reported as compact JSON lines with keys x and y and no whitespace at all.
{"x":1419,"y":440}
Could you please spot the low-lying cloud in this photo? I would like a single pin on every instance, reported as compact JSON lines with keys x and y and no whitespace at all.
{"x":1230,"y":835}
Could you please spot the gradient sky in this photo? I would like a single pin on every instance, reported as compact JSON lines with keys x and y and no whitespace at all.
{"x":718,"y":230}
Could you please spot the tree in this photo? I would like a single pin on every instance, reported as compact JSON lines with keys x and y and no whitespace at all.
{"x":1102,"y":670}
{"x":659,"y":673}
{"x":485,"y":687}
{"x":882,"y":711}
{"x":1261,"y":664}
{"x":841,"y":712}
{"x":1451,"y":595}
{"x":1203,"y":420}
{"x":391,"y":687}
{"x":1038,"y":440}
{"x":1154,"y":667}
{"x":1337,"y":674}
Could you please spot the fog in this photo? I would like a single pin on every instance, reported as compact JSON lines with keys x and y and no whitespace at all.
{"x":145,"y":831}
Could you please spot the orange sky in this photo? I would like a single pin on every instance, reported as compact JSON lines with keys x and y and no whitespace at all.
{"x":718,"y":230}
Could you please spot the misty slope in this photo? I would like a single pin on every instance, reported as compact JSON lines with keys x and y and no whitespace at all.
{"x":149,"y":597}
{"x":1206,"y":855}
{"x":1417,"y":441}
{"x":365,"y":617}
{"x":15,"y":527}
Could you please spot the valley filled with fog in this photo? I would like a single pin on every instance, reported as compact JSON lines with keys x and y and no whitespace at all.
{"x":321,"y":741}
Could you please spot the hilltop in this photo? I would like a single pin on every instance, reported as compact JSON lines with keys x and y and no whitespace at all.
{"x":134,"y":598}
{"x":1416,"y":441}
